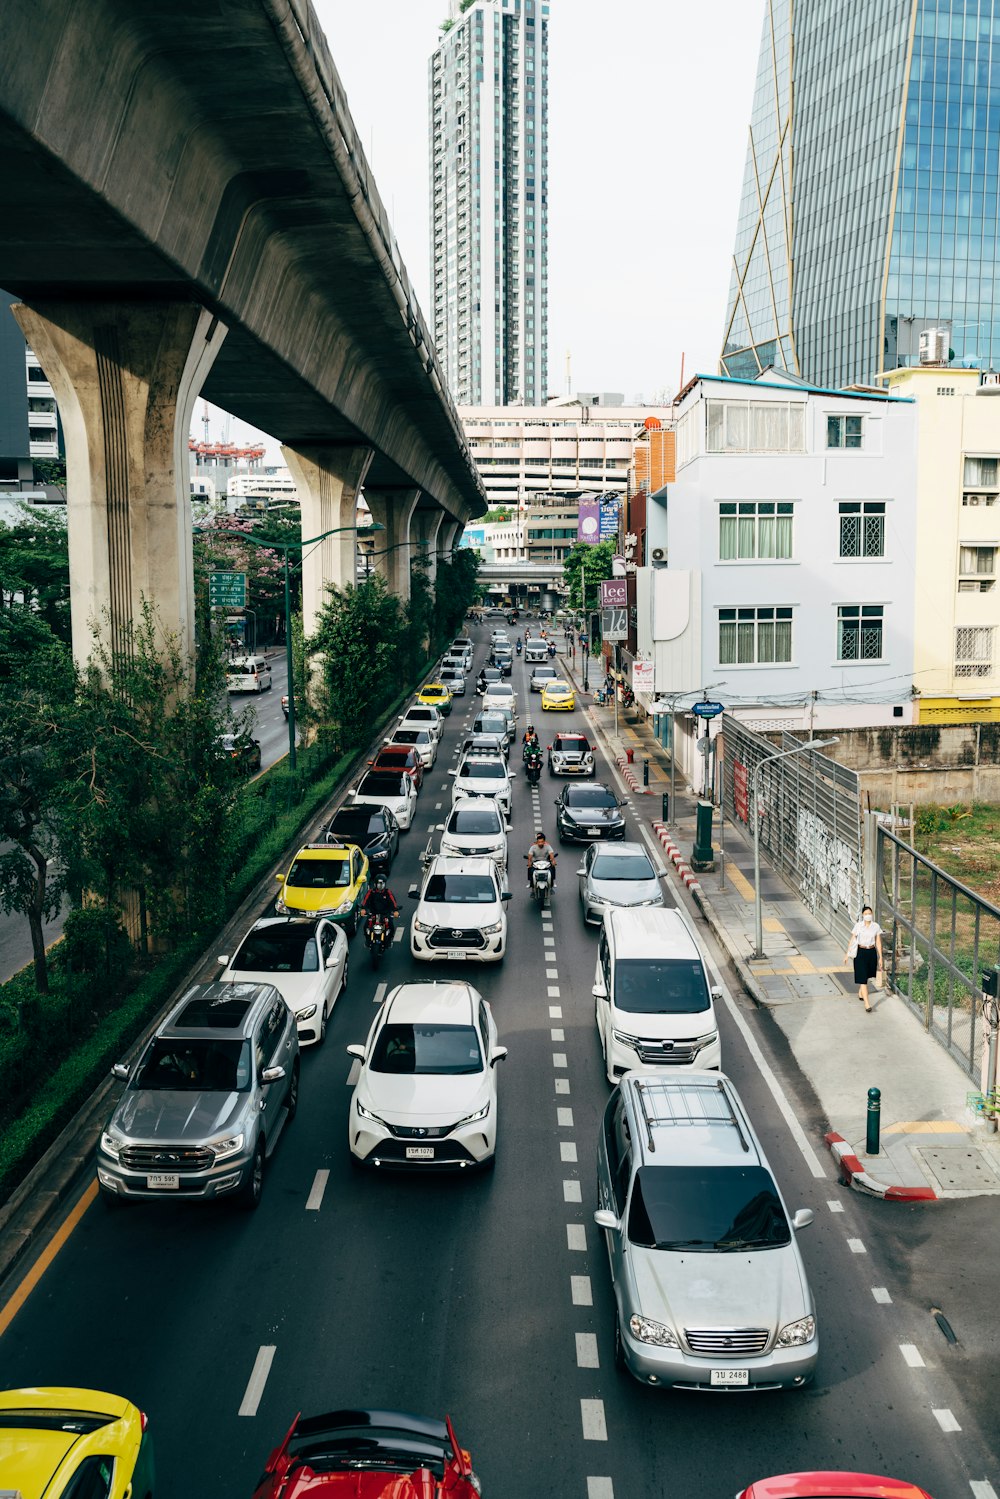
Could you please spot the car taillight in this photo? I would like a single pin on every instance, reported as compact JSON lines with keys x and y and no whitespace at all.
{"x":143,"y":1420}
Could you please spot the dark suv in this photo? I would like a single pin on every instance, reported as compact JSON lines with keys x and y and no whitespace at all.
{"x":373,"y":829}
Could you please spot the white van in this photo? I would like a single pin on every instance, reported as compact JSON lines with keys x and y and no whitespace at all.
{"x":248,"y":674}
{"x":655,"y":1005}
{"x":536,"y":651}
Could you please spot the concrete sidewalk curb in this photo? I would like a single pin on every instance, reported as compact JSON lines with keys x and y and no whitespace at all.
{"x":862,"y":1181}
{"x":628,"y":774}
{"x":675,"y":856}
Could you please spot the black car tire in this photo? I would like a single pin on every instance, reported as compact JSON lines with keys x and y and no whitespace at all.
{"x":253,"y":1188}
{"x":322,"y":1026}
{"x":619,"y":1352}
{"x":292,"y":1096}
{"x":350,"y":927}
{"x":347,"y":964}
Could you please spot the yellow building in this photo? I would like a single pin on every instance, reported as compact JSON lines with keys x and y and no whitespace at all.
{"x":957,"y":592}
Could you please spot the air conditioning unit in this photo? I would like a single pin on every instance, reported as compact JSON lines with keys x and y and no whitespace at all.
{"x":975,"y":499}
{"x":658,"y":554}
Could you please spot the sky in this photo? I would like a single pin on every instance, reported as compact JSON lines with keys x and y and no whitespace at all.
{"x":649,"y":102}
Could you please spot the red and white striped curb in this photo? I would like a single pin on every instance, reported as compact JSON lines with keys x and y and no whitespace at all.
{"x":675,"y":856}
{"x":628,"y":774}
{"x":860,"y":1179}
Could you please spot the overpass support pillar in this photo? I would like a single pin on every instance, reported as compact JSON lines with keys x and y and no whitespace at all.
{"x":126,"y":377}
{"x":328,"y":478}
{"x":448,"y":536}
{"x":393,"y":509}
{"x":427,"y":524}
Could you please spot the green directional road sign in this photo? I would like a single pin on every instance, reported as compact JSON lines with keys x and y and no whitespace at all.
{"x":227,"y":590}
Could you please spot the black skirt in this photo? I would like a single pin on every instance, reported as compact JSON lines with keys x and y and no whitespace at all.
{"x":865,"y":964}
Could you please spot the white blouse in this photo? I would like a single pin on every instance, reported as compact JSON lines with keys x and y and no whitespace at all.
{"x":865,"y":934}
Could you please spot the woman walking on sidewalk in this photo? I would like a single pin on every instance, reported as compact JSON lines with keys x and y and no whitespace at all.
{"x":865,"y":947}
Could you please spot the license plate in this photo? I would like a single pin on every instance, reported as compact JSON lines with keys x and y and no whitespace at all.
{"x":730,"y":1377}
{"x":456,"y":957}
{"x":594,"y":832}
{"x":420,"y":1152}
{"x":163,"y":1181}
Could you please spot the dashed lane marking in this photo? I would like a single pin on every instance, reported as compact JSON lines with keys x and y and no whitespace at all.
{"x":398,"y":935}
{"x":558,"y":1034}
{"x":911,"y":1354}
{"x":562,"y":1084}
{"x":559,"y":1059}
{"x":856,"y":1246}
{"x":595,"y":1427}
{"x":881,"y":1295}
{"x":982,"y":1488}
{"x":567,"y":1151}
{"x":564,"y":1118}
{"x":380,"y":992}
{"x":315,"y":1199}
{"x":576,"y":1237}
{"x":600,"y":1488}
{"x":548,"y":941}
{"x":586,"y":1351}
{"x":946,"y":1420}
{"x":835,"y":1207}
{"x":555,"y":1012}
{"x":354,"y":1073}
{"x":552,"y":991}
{"x":258,"y":1379}
{"x":552,"y":973}
{"x":571,"y":1192}
{"x":581,"y":1290}
{"x":438,"y":806}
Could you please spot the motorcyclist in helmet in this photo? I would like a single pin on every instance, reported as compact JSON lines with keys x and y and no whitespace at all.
{"x":380,"y":901}
{"x":529,"y":741}
{"x":541,"y":849}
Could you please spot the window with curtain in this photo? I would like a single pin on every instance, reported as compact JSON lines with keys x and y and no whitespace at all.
{"x":859,"y":632}
{"x":980,"y":473}
{"x":974,"y":651}
{"x":755,"y":427}
{"x":755,"y":637}
{"x":862,"y":528}
{"x":758,"y":530}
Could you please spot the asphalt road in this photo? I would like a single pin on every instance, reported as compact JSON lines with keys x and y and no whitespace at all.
{"x":475,"y":1295}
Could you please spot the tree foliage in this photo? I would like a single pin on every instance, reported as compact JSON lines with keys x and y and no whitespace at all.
{"x":359,"y":637}
{"x":594,"y":560}
{"x":34,"y":574}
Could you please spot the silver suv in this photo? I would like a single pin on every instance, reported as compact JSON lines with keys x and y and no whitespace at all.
{"x":710,"y":1289}
{"x":205,"y":1103}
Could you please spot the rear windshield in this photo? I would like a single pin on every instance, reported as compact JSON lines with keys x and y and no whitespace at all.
{"x":706,"y":1209}
{"x":195,"y":1066}
{"x":661,"y":986}
{"x":448,"y":1049}
{"x":466,"y":889}
{"x":278,"y":949}
{"x":319,"y":874}
{"x":478,"y":820}
{"x":382,"y":783}
{"x":622,"y":867}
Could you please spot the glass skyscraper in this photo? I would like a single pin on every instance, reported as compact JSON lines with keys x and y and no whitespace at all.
{"x":489,"y":200}
{"x":869,"y":206}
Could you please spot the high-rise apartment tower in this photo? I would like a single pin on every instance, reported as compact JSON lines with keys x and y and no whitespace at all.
{"x":869,"y":206}
{"x":489,"y":200}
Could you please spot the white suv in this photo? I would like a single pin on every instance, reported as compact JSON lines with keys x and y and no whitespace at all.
{"x":475,"y":828}
{"x":460,"y":912}
{"x":484,"y":775}
{"x":655,"y":1006}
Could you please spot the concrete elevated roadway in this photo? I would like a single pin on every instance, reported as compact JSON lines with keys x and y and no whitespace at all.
{"x":188,"y":211}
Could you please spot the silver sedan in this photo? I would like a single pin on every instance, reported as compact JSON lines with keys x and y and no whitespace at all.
{"x":620,"y":874}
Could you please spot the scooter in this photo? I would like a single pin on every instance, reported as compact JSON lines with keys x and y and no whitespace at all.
{"x":541,"y":882}
{"x":378,"y":937}
{"x":552,"y":648}
{"x":519,"y":647}
{"x":533,"y":767}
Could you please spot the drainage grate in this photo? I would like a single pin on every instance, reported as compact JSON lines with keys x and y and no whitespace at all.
{"x":961,"y":1167}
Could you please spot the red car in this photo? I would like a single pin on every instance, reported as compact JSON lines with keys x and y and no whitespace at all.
{"x":402,"y":759}
{"x":832,"y":1486}
{"x":369,"y":1455}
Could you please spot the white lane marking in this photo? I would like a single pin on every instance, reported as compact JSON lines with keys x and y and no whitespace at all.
{"x":315,"y":1199}
{"x":557,"y":1033}
{"x":555,"y":1012}
{"x":258,"y":1379}
{"x":444,"y":787}
{"x":982,"y":1488}
{"x":586,"y":1351}
{"x":354,"y":1073}
{"x":438,"y":806}
{"x":856,"y":1246}
{"x":576,"y":1236}
{"x":552,"y":973}
{"x":946,"y":1420}
{"x":564,"y":1118}
{"x":552,"y":991}
{"x":594,"y":1425}
{"x":398,"y":936}
{"x":562,"y":1084}
{"x":835,"y":1207}
{"x":567,"y":1150}
{"x":559,"y":1059}
{"x":571,"y":1192}
{"x":600,"y":1488}
{"x":380,"y":992}
{"x":581,"y":1290}
{"x":911,"y":1354}
{"x":881,"y":1295}
{"x":548,"y":942}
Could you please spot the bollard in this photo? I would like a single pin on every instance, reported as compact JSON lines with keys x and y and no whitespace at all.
{"x":630,"y":756}
{"x":874,"y":1119}
{"x":645,"y":772}
{"x":665,"y":807}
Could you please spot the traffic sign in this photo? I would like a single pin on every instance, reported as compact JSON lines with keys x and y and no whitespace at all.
{"x":614,"y":624}
{"x":707,"y":709}
{"x":614,"y":593}
{"x":227,"y":590}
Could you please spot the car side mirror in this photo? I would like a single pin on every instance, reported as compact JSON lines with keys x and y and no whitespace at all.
{"x":280,"y":878}
{"x":224,"y":959}
{"x":498,"y":1054}
{"x":413,"y":892}
{"x":802,"y":1218}
{"x":512,"y":775}
{"x":331,"y":961}
{"x":581,"y":870}
{"x":605,"y":1219}
{"x":356,"y":1051}
{"x":272,"y":1074}
{"x":505,"y":895}
{"x":716,"y":992}
{"x":453,"y":772}
{"x":599,"y":991}
{"x":120,"y":1070}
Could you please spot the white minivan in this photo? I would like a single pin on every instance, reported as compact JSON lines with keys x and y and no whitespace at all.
{"x":655,"y":1005}
{"x":248,"y":674}
{"x":535,"y":652}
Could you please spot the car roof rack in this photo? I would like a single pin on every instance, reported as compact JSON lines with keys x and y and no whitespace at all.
{"x":684,"y":1101}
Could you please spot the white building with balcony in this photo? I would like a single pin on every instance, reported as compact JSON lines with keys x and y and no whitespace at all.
{"x":43,"y":415}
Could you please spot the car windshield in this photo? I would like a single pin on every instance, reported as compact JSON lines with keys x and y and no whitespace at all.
{"x":574,"y":744}
{"x":319,"y":874}
{"x":706,"y":1208}
{"x":362,"y":824}
{"x":383,"y":783}
{"x":589,"y":796}
{"x":208,"y":1065}
{"x":543,"y":674}
{"x":557,"y":686}
{"x":482,"y":819}
{"x":448,"y":1049}
{"x":464,"y":889}
{"x":278,"y":949}
{"x":622,"y":867}
{"x":660,"y":986}
{"x":482,"y":770}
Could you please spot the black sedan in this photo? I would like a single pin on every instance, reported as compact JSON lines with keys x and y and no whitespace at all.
{"x":241,"y":748}
{"x":587,"y":813}
{"x":373,"y":829}
{"x":503,"y":661}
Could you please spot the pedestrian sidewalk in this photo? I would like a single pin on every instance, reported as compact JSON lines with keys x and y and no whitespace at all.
{"x":931,"y":1145}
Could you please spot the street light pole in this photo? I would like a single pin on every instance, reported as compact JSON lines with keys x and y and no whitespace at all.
{"x":811,"y":744}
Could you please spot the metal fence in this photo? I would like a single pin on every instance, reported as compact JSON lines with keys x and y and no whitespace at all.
{"x":939,"y":936}
{"x":810,"y":818}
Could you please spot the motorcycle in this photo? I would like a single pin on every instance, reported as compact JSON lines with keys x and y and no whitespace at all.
{"x":541,"y":882}
{"x":533,"y":767}
{"x":378,"y":937}
{"x":519,"y":647}
{"x":628,"y":697}
{"x":531,"y":747}
{"x":552,"y":648}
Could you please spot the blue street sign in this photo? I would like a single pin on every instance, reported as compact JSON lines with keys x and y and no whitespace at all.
{"x":706,"y":709}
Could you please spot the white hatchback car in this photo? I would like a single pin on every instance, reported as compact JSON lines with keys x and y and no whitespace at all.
{"x":306,"y":961}
{"x":460,"y":912}
{"x":483,"y":775}
{"x":426,"y":1094}
{"x":388,"y":788}
{"x":475,"y":828}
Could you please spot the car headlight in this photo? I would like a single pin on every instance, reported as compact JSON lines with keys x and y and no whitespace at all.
{"x":491,"y":931}
{"x":708,"y":1040}
{"x":651,"y":1332}
{"x":794,"y":1334}
{"x":111,"y":1144}
{"x":588,"y":760}
{"x":625,"y":1039}
{"x":306,"y":1014}
{"x":471,"y":1118}
{"x":364,"y":1113}
{"x":230,"y":1146}
{"x":280,"y":907}
{"x":422,"y":926}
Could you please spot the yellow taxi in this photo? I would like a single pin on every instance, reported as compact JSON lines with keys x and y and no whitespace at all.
{"x":558,"y":695}
{"x":325,"y":879}
{"x":55,"y":1442}
{"x":435,"y":695}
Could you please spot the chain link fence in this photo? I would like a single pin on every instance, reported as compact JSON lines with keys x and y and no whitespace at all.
{"x":810,"y":818}
{"x":939,"y":936}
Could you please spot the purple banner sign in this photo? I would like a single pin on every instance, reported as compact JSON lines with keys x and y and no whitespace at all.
{"x":589,"y":523}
